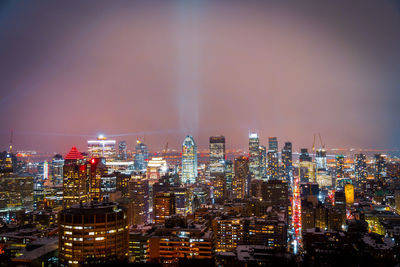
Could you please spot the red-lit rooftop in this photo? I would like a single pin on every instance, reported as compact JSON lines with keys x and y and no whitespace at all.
{"x":74,"y":154}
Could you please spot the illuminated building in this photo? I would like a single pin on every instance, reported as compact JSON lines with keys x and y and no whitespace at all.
{"x":122,"y":150}
{"x":189,"y":161}
{"x":264,"y":231}
{"x":74,"y":179}
{"x":380,"y":169}
{"x":339,"y":166}
{"x":102,"y":148}
{"x":219,"y":188}
{"x":183,"y":198}
{"x":254,"y":156}
{"x":272,"y":158}
{"x":228,"y":232}
{"x":287,"y":162}
{"x":96,"y":169}
{"x":16,"y":191}
{"x":156,"y":168}
{"x":141,"y":156}
{"x":263,"y":162}
{"x":275,"y":192}
{"x":138,"y":247}
{"x":163,"y":207}
{"x":139,"y":194}
{"x":273,"y":144}
{"x":92,"y":234}
{"x":320,"y":159}
{"x":349,"y":193}
{"x":229,"y":176}
{"x":217,"y":154}
{"x":240,"y":181}
{"x":273,"y":168}
{"x":306,"y":166}
{"x":360,"y":167}
{"x":180,"y":241}
{"x":57,"y":169}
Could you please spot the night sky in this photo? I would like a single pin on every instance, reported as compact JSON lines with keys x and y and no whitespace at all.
{"x":164,"y":69}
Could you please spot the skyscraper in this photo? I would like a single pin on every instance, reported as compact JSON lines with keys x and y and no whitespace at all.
{"x":254,"y":156}
{"x":263,"y":162}
{"x":287,"y":161}
{"x":122,"y":153}
{"x":306,"y":166}
{"x":217,"y":154}
{"x":229,"y":176}
{"x":92,"y":234}
{"x":74,"y":179}
{"x":241,"y":183}
{"x":380,"y":168}
{"x":189,"y":160}
{"x":96,"y":170}
{"x":164,"y":206}
{"x":339,"y":166}
{"x":320,"y":159}
{"x":141,"y":156}
{"x":273,"y":144}
{"x":360,"y":167}
{"x":102,"y":148}
{"x":272,"y":158}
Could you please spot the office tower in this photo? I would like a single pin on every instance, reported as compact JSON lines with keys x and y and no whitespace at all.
{"x":141,"y":156}
{"x":240,"y":181}
{"x":322,"y":176}
{"x":360,"y":167}
{"x":269,"y":232}
{"x":163,"y":206}
{"x":183,"y":197}
{"x":275,"y":192}
{"x":228,"y":233}
{"x":219,"y":188}
{"x":156,"y":168}
{"x":96,"y":170}
{"x":263,"y":162}
{"x":189,"y":160}
{"x":102,"y":148}
{"x":8,"y":162}
{"x":349,"y":193}
{"x":309,"y":189}
{"x":56,"y":171}
{"x":273,"y":144}
{"x":217,"y":154}
{"x":108,"y":187}
{"x":180,"y":241}
{"x":92,"y":234}
{"x":139,"y":194}
{"x":287,"y":161}
{"x":122,"y":150}
{"x":306,"y":167}
{"x":320,"y":159}
{"x":75,"y":179}
{"x":229,"y":176}
{"x":304,"y":156}
{"x":16,"y":191}
{"x":273,"y":168}
{"x":380,"y":169}
{"x":254,"y":156}
{"x":339,"y":166}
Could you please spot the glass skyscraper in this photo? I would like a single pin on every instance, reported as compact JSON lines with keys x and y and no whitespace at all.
{"x":141,"y":156}
{"x":189,"y":160}
{"x":217,"y":154}
{"x":254,"y":156}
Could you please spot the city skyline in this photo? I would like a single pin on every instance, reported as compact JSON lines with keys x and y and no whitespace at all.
{"x":171,"y":69}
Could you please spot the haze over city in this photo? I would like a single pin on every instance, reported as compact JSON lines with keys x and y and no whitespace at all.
{"x":165,"y":69}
